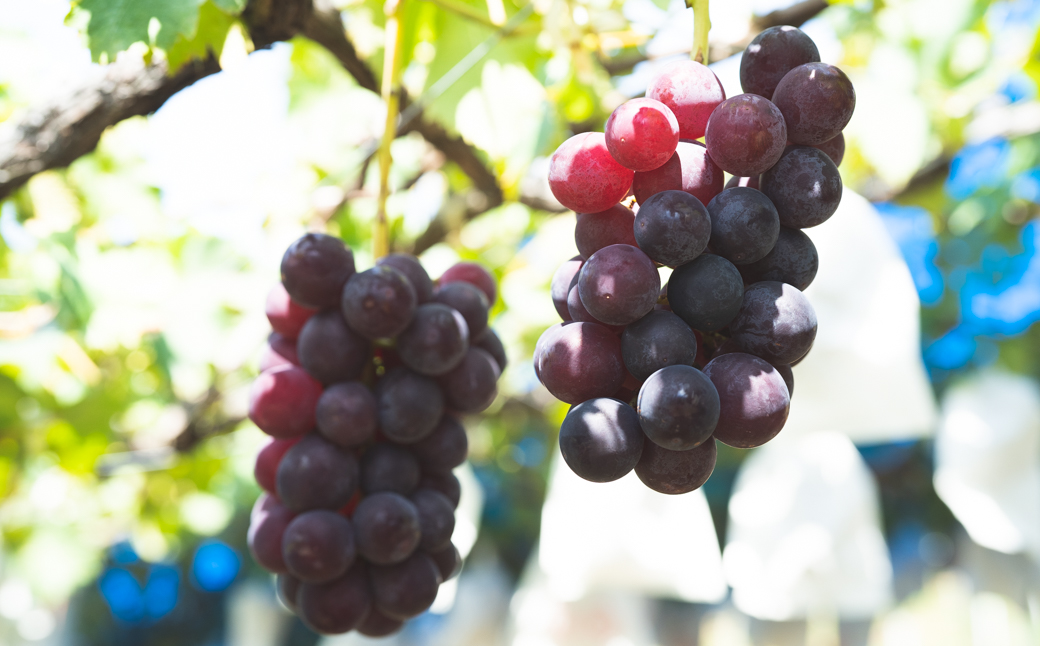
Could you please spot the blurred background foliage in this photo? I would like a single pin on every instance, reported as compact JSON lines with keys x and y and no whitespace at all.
{"x":132,"y":281}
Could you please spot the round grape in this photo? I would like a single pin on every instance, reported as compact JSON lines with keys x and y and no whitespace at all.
{"x":772,"y":54}
{"x":470,"y":386}
{"x":315,"y":268}
{"x":347,"y":414}
{"x":805,"y":186}
{"x":672,"y":228}
{"x":793,"y":260}
{"x":406,"y":589}
{"x":446,"y":483}
{"x":618,"y":284}
{"x":338,"y":606}
{"x":409,"y":404}
{"x":581,"y":315}
{"x":316,"y":474}
{"x":286,"y":317}
{"x":467,"y":300}
{"x":817,"y":101}
{"x":744,"y":225}
{"x":448,"y":560}
{"x":676,"y":472}
{"x":378,"y":303}
{"x":472,"y":273}
{"x":279,"y":351}
{"x":330,"y":351}
{"x":753,"y":396}
{"x":443,"y":449}
{"x":435,"y":341}
{"x":641,"y":134}
{"x":282,"y":401}
{"x":563,"y":280}
{"x":376,"y":624}
{"x":436,"y":519}
{"x":835,"y":148}
{"x":775,"y":322}
{"x":746,"y":135}
{"x":601,"y":440}
{"x":691,"y":90}
{"x":706,"y":293}
{"x":267,"y":461}
{"x":318,"y":546}
{"x":267,"y":524}
{"x":386,"y":528}
{"x":678,"y":407}
{"x":593,"y":231}
{"x":490,"y":343}
{"x":579,"y":361}
{"x":584,"y":177}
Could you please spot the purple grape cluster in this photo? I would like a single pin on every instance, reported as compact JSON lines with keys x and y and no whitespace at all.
{"x":363,"y":382}
{"x":656,"y":374}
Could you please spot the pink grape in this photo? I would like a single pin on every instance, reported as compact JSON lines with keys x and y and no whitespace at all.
{"x":282,"y":401}
{"x":690,"y":169}
{"x":584,"y":177}
{"x":642,"y":134}
{"x":691,"y":91}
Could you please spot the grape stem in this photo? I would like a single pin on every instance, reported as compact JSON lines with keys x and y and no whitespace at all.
{"x":391,"y":93}
{"x":701,"y":25}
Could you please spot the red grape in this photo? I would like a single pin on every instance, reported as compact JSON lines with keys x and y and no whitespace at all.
{"x":746,"y":135}
{"x":690,"y":169}
{"x":282,"y":401}
{"x":691,"y":90}
{"x":584,"y":177}
{"x":642,"y":134}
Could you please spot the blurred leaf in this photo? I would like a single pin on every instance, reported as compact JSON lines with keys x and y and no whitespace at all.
{"x":115,"y":25}
{"x":209,"y":37}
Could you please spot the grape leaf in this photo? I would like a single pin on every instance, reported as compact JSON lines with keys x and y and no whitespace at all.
{"x":212,"y":31}
{"x":115,"y":25}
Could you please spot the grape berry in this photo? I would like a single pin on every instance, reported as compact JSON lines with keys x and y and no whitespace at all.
{"x":366,"y":375}
{"x":657,"y":374}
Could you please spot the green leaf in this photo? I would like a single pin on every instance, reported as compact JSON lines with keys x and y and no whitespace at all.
{"x":115,"y":25}
{"x":212,"y":31}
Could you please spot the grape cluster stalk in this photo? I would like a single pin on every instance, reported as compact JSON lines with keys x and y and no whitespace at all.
{"x":657,"y":374}
{"x":363,"y":383}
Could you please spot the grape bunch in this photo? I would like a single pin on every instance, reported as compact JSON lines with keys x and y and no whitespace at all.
{"x":656,"y":374}
{"x":363,"y":381}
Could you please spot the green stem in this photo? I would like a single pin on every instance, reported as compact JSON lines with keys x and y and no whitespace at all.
{"x":701,"y":25}
{"x":391,"y":97}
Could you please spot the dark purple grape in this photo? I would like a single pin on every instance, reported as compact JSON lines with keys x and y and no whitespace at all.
{"x":443,"y":449}
{"x":593,"y":231}
{"x":706,"y":293}
{"x":817,"y":101}
{"x":378,"y":303}
{"x":388,"y":467}
{"x":579,"y":361}
{"x":676,"y":472}
{"x":788,"y":375}
{"x":287,"y":586}
{"x":330,"y":351}
{"x":490,"y":343}
{"x":338,"y":606}
{"x":410,"y":405}
{"x":753,"y":397}
{"x":386,"y":528}
{"x":746,"y":182}
{"x":805,"y":186}
{"x":744,"y":225}
{"x":601,"y":440}
{"x":435,"y":341}
{"x":618,"y":284}
{"x":318,"y":546}
{"x":563,"y":280}
{"x":672,"y":228}
{"x":655,"y":341}
{"x":776,"y":322}
{"x":436,"y":519}
{"x":444,"y":482}
{"x":376,"y":624}
{"x":793,"y":260}
{"x":267,"y":525}
{"x":690,"y":170}
{"x":467,"y":300}
{"x":346,"y":414}
{"x":581,"y":315}
{"x":316,"y":474}
{"x":406,"y":589}
{"x":835,"y":148}
{"x":746,"y":135}
{"x":678,"y":407}
{"x":409,"y":266}
{"x":772,"y":54}
{"x":315,"y":268}
{"x":448,"y":560}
